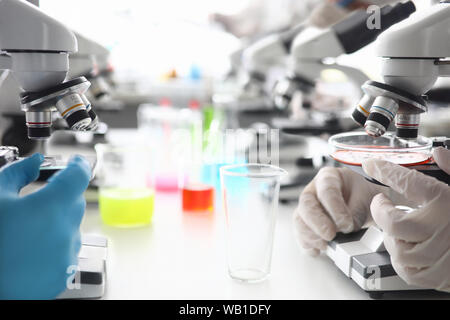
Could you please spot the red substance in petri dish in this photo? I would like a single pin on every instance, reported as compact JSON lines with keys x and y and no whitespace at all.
{"x":198,"y":197}
{"x":356,"y":157}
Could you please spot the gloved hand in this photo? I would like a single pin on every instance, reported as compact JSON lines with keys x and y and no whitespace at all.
{"x":418,"y":241}
{"x":336,"y":200}
{"x":39,"y":232}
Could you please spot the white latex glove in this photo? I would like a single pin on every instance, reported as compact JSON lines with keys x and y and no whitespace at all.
{"x":418,"y":241}
{"x":336,"y":200}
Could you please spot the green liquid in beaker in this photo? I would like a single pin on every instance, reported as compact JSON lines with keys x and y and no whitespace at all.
{"x":126,"y":207}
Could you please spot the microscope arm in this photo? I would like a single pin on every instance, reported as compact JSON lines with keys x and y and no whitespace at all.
{"x":263,"y":54}
{"x":37,"y":44}
{"x":269,"y":51}
{"x":313,"y":69}
{"x":413,"y":50}
{"x":5,"y":62}
{"x":425,"y":35}
{"x":345,"y":37}
{"x":313,"y":46}
{"x":91,"y":56}
{"x":414,"y":56}
{"x":356,"y":76}
{"x":444,"y":70}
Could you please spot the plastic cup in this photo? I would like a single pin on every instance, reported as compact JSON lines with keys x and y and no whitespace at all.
{"x":250,"y":197}
{"x":125,"y":196}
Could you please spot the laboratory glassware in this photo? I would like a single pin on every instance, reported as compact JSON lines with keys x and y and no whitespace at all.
{"x":353,"y":148}
{"x":126,"y":197}
{"x":250,"y":200}
{"x":176,"y":135}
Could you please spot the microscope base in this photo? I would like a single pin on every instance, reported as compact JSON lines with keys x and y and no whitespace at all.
{"x":91,"y":276}
{"x":362,"y":257}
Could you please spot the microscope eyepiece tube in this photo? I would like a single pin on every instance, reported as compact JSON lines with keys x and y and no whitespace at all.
{"x":362,"y":111}
{"x":407,"y":125}
{"x":353,"y":33}
{"x":73,"y":110}
{"x":382,"y":112}
{"x":39,"y":124}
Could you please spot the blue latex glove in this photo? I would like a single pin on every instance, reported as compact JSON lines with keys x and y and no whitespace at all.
{"x":39,"y":233}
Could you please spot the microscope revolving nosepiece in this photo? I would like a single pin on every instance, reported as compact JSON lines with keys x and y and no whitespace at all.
{"x":382,"y":103}
{"x":66,"y":97}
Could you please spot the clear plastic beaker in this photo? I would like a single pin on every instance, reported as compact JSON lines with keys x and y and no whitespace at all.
{"x":126,"y":198}
{"x":250,"y":197}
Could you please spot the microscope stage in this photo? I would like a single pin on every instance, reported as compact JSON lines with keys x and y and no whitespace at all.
{"x":53,"y":164}
{"x":91,"y":276}
{"x":362,"y":257}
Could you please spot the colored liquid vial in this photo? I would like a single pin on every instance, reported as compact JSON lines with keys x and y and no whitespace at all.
{"x":198,"y":197}
{"x":126,"y":207}
{"x":166,"y":183}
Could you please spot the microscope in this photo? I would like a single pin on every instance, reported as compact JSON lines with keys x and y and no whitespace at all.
{"x":36,"y":54}
{"x":270,"y":54}
{"x":258,"y":60}
{"x":83,"y":63}
{"x":35,"y":49}
{"x":314,"y":51}
{"x":91,"y":61}
{"x":311,"y":51}
{"x":414,"y":55}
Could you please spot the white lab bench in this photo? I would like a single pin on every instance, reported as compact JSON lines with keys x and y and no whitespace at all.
{"x":183,"y":256}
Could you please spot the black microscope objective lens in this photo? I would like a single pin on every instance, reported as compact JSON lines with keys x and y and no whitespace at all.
{"x":380,"y":119}
{"x":76,"y":117}
{"x":39,"y":132}
{"x":92,"y":114}
{"x":407,"y":133}
{"x":359,"y":117}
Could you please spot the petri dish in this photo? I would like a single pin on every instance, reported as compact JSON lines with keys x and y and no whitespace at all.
{"x":353,"y":148}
